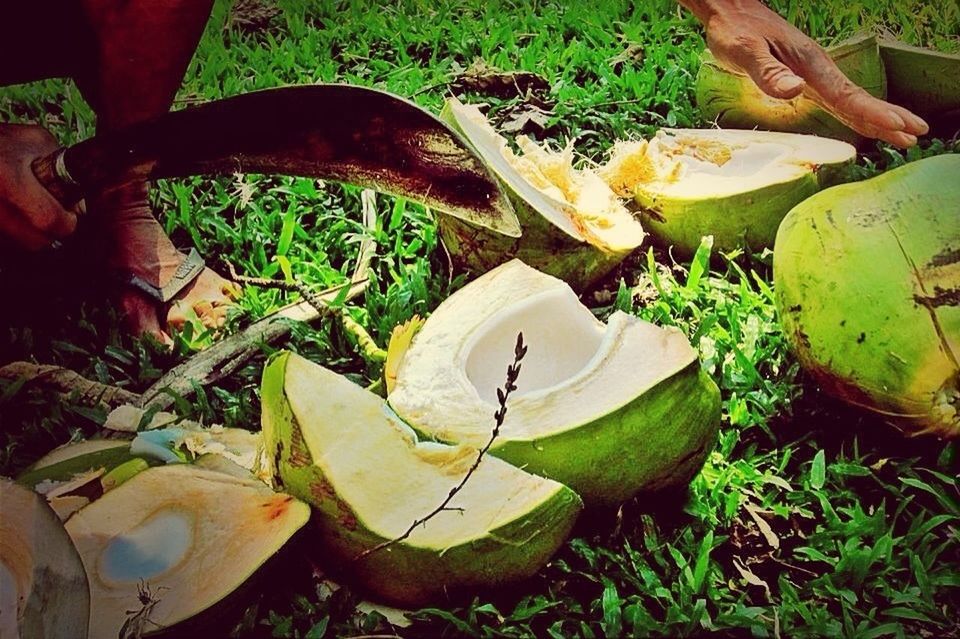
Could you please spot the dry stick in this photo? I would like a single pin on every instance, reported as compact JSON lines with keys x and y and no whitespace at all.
{"x":69,"y":382}
{"x":513,"y":372}
{"x":230,"y":353}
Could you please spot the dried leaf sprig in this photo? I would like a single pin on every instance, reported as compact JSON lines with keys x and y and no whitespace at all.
{"x":503,"y":394}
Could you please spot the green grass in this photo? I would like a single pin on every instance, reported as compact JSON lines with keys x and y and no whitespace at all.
{"x":809,"y":519}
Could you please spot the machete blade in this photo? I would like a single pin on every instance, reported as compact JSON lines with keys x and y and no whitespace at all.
{"x":334,"y":132}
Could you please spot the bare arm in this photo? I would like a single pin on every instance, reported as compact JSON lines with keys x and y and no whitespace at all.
{"x":750,"y":38}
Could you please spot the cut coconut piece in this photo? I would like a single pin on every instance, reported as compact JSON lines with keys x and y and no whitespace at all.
{"x":574,"y":226}
{"x":735,"y":101}
{"x":339,"y":447}
{"x":867,"y":281}
{"x":734,"y":185}
{"x":43,"y":586}
{"x":609,"y":410}
{"x":190,"y":536}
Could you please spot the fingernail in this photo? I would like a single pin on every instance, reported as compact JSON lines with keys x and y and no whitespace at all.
{"x":903,"y":140}
{"x":894,"y":121}
{"x":917,"y":125}
{"x":788,"y":84}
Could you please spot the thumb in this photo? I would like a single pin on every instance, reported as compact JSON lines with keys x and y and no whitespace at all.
{"x":772,"y":76}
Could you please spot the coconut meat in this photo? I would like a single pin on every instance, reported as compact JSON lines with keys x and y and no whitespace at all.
{"x":191,"y":546}
{"x":576,"y":201}
{"x":688,"y":164}
{"x":376,"y":465}
{"x":576,"y":369}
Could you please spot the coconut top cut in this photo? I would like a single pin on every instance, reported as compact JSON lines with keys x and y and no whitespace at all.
{"x":376,"y":465}
{"x":576,"y":368}
{"x":694,"y":164}
{"x":576,"y":201}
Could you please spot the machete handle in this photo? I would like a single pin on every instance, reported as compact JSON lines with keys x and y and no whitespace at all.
{"x":51,"y":172}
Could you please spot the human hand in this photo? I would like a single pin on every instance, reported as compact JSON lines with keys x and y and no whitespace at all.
{"x":752,"y":39}
{"x":29,"y":215}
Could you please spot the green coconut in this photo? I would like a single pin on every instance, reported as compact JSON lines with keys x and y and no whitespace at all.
{"x":608,"y":409}
{"x":337,"y":446}
{"x":43,"y":586}
{"x":573,"y":226}
{"x":176,"y":541}
{"x":867,"y":279}
{"x":734,"y":185}
{"x":925,"y":81}
{"x":735,"y":101}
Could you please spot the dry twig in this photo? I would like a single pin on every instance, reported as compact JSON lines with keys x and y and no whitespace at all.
{"x":513,"y":372}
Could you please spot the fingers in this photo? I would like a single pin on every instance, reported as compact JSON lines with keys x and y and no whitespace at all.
{"x":772,"y":76}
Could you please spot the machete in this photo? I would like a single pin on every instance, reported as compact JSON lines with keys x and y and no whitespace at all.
{"x":334,"y":132}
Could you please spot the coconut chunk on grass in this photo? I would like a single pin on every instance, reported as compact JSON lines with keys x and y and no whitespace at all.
{"x":608,"y":409}
{"x":734,"y":185}
{"x":339,"y":447}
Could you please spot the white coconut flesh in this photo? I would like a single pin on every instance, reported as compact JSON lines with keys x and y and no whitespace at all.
{"x":190,"y":535}
{"x":576,"y":369}
{"x":694,"y":164}
{"x":389,"y":479}
{"x":576,"y":201}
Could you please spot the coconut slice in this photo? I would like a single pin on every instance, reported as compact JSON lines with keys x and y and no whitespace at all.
{"x":734,"y":185}
{"x":337,"y":446}
{"x":43,"y":587}
{"x":174,"y":541}
{"x":867,"y":281}
{"x":608,"y":410}
{"x":573,"y":225}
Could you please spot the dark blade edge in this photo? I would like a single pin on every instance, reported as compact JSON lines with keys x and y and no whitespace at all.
{"x":336,"y":132}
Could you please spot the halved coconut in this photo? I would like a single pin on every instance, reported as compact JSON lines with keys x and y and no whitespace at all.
{"x":609,"y":410}
{"x":339,"y":447}
{"x":574,"y":226}
{"x":923,"y":80}
{"x":735,"y":101}
{"x":867,"y":281}
{"x":734,"y":185}
{"x":43,"y":587}
{"x":174,"y":541}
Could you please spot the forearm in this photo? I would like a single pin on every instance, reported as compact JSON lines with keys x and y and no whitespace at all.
{"x":704,"y":10}
{"x":143,"y":48}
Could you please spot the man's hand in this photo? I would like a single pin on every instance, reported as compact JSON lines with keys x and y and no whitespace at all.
{"x":29,"y":215}
{"x":750,"y":38}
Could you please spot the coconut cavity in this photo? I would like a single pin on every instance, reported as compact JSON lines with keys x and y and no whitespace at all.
{"x":608,"y":409}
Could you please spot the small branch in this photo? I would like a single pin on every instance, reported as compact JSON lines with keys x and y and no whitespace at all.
{"x":68,"y":383}
{"x":513,"y":372}
{"x":230,"y":353}
{"x":368,"y":347}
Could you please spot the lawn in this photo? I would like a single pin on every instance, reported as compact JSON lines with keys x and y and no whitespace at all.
{"x":808,"y":519}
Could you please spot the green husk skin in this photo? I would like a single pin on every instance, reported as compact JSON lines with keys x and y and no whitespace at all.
{"x":922,"y":80}
{"x":403,"y":574}
{"x":867,"y":280}
{"x":108,"y":459}
{"x":743,"y":220}
{"x":543,"y":246}
{"x":657,"y":441}
{"x":734,"y":101}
